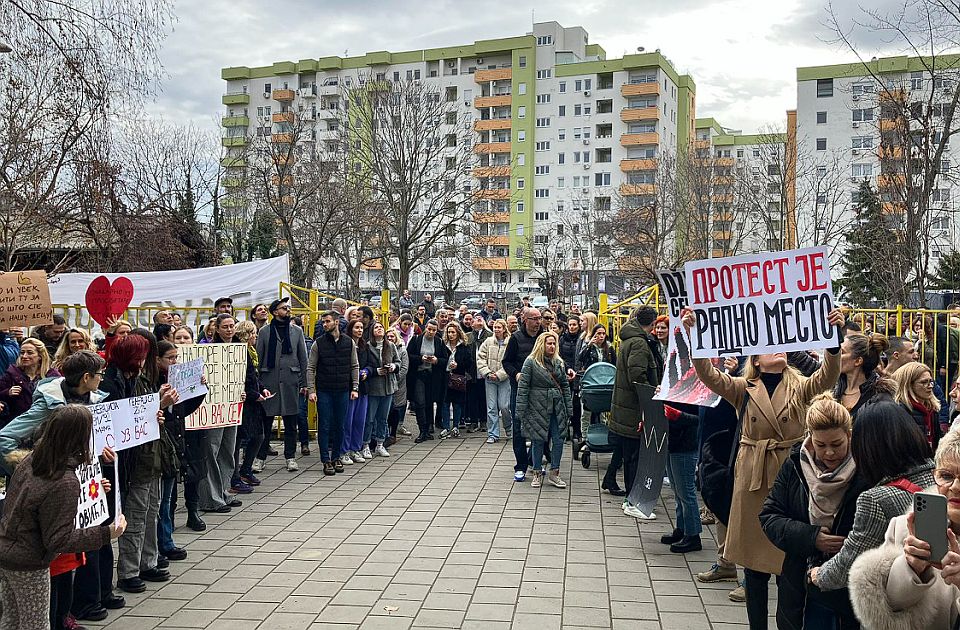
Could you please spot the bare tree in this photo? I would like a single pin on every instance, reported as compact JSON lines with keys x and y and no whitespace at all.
{"x":410,"y":150}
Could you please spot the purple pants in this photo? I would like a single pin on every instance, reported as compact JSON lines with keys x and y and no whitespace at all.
{"x":353,"y":425}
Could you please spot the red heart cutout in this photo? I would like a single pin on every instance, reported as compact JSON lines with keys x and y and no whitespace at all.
{"x":105,"y":300}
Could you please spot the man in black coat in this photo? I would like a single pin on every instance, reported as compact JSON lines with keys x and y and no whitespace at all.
{"x":427,"y":377}
{"x":518,"y":349}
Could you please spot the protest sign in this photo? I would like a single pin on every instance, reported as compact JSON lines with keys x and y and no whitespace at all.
{"x":92,"y":504}
{"x":185,"y":378}
{"x":225,"y":366}
{"x":761,"y":303}
{"x":652,"y":461}
{"x":680,"y":383}
{"x":24,"y":299}
{"x":125,"y":423}
{"x":105,"y":300}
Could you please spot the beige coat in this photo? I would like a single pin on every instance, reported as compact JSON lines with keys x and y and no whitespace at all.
{"x":490,"y":358}
{"x":770,"y":429}
{"x":887,"y":594}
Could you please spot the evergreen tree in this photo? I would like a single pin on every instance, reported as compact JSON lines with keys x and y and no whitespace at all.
{"x":866,"y":263}
{"x":947,"y":276}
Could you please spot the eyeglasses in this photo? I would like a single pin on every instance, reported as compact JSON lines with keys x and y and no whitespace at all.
{"x":101,"y":374}
{"x":944,"y":478}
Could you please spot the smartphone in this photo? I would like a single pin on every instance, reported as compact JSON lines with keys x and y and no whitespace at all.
{"x":931,"y":523}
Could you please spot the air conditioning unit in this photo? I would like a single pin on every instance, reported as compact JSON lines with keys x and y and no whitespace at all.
{"x":266,"y":95}
{"x":586,"y":166}
{"x":855,"y":125}
{"x":586,"y":141}
{"x":586,"y":92}
{"x":451,"y":64}
{"x":856,"y":97}
{"x":855,"y":152}
{"x":479,"y":60}
{"x":467,"y":103}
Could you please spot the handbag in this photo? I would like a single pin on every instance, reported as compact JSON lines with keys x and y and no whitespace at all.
{"x":716,"y":468}
{"x":457,"y":382}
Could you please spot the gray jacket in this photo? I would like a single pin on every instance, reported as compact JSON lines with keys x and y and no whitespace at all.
{"x":400,"y":396}
{"x":287,"y":376}
{"x":382,"y":384}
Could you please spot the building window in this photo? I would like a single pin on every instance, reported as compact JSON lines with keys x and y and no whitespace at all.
{"x":541,"y":216}
{"x":522,"y":89}
{"x":862,"y":142}
{"x":861,"y":170}
{"x":522,"y":61}
{"x":578,"y":85}
{"x":543,"y":170}
{"x":520,"y":207}
{"x":863,"y":115}
{"x":522,"y":112}
{"x":821,"y":118}
{"x":521,"y":136}
{"x":563,"y":87}
{"x":542,"y":193}
{"x":562,"y":111}
{"x":544,"y":74}
{"x":543,"y":145}
{"x":561,"y":134}
{"x":543,"y":122}
{"x":601,"y":179}
{"x":561,"y":158}
{"x":821,"y":144}
{"x":824,"y":88}
{"x":543,"y":98}
{"x":916,"y":80}
{"x":544,"y":40}
{"x":521,"y":184}
{"x":561,"y":183}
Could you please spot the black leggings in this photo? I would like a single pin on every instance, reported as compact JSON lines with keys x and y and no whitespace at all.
{"x":61,"y":598}
{"x":394,"y":418}
{"x":756,"y":584}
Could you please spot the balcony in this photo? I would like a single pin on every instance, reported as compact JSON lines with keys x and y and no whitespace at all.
{"x":502,"y":100}
{"x":308,"y":92}
{"x":492,"y":125}
{"x":231,"y":182}
{"x":726,"y":161}
{"x":234,"y":141}
{"x":501,"y":241}
{"x":631,"y":114}
{"x":637,"y":139}
{"x":284,"y":117}
{"x":233,"y":202}
{"x":235,"y":121}
{"x":492,"y":171}
{"x":233,"y":162}
{"x":637,"y":189}
{"x":890,"y":153}
{"x":284,"y":159}
{"x":287,"y":180}
{"x":236,"y":98}
{"x":898,"y":180}
{"x":498,"y":74}
{"x":701,"y":144}
{"x":892,"y":124}
{"x":281,"y":138}
{"x":724,"y":180}
{"x":491,"y":217}
{"x":494,"y":193}
{"x":639,"y":89}
{"x":638,"y":165}
{"x":487,"y":264}
{"x":725,"y":199}
{"x":283,"y":95}
{"x":492,"y":147}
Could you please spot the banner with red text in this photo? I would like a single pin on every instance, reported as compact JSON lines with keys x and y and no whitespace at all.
{"x":225,"y":366}
{"x":761,"y":303}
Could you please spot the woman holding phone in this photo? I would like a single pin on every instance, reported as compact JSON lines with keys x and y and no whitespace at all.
{"x":900,"y":584}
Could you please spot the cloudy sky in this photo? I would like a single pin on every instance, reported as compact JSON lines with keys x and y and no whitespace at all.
{"x":743,"y":54}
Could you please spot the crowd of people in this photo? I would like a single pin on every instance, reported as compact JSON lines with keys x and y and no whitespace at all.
{"x":828,"y":447}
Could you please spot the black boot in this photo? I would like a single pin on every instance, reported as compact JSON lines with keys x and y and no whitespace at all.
{"x":688,"y":544}
{"x":611,"y":486}
{"x":673,"y":538}
{"x":194,"y":521}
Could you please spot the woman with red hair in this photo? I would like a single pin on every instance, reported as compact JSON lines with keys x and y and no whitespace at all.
{"x":661,"y":330}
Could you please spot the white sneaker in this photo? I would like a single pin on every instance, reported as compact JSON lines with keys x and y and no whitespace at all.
{"x":366,"y":452}
{"x":357,"y":457}
{"x":632,"y":510}
{"x":257,"y":465}
{"x":292,"y":465}
{"x":345,"y":459}
{"x":402,"y":430}
{"x":381,"y":451}
{"x":444,"y":434}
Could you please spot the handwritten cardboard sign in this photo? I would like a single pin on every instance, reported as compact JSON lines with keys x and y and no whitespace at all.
{"x":185,"y":378}
{"x":24,"y":299}
{"x":225,"y":366}
{"x":761,"y":303}
{"x":92,"y":504}
{"x":125,"y":423}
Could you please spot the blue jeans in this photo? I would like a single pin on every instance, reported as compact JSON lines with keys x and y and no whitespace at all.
{"x":682,"y":470}
{"x":354,"y":425}
{"x":498,"y":401}
{"x":331,"y":412}
{"x":445,"y":414}
{"x":378,"y":408}
{"x":165,"y":519}
{"x":556,"y":449}
{"x":303,"y":427}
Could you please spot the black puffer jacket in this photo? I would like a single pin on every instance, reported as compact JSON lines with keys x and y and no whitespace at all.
{"x":568,"y":349}
{"x":786,"y":522}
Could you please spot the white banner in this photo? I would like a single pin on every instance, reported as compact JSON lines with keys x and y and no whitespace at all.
{"x":246,"y":283}
{"x":125,"y":423}
{"x":761,"y":303}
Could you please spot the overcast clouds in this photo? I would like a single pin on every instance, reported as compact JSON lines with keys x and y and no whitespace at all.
{"x":743,"y":54}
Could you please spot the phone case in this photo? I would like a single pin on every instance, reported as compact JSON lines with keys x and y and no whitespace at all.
{"x":931,"y":523}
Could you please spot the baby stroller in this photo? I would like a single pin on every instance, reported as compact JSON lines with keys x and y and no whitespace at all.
{"x":596,"y":396}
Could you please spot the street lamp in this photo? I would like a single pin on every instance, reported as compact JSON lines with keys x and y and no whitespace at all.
{"x":5,"y":47}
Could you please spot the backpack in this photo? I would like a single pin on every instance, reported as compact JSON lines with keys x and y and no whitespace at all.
{"x":717,"y":461}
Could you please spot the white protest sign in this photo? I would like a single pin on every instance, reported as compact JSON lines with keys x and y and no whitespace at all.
{"x":125,"y":423}
{"x":92,"y":506}
{"x":680,"y":382}
{"x":185,"y":378}
{"x":225,"y":366}
{"x":761,"y":303}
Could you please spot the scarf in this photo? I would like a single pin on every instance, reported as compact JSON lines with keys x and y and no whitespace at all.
{"x":826,"y":488}
{"x":278,"y":328}
{"x":927,"y":421}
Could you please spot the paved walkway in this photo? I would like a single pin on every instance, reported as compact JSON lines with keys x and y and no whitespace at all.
{"x":436,"y":536}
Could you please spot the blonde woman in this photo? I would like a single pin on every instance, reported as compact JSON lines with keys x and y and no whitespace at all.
{"x":544,"y":406}
{"x":495,"y":379}
{"x":915,"y":394}
{"x":75,"y":340}
{"x":21,"y":378}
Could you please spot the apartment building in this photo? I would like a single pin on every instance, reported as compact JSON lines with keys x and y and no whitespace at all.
{"x":560,"y":133}
{"x":850,"y":129}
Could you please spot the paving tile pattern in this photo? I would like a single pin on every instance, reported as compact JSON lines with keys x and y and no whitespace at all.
{"x":436,"y":536}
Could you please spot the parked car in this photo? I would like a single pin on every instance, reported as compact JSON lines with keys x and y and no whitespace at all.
{"x":473,"y":302}
{"x":540,"y":301}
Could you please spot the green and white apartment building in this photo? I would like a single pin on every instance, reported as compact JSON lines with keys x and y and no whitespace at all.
{"x":558,"y":129}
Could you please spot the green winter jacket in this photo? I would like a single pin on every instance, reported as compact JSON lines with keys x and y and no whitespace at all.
{"x":636,"y":363}
{"x":538,"y":396}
